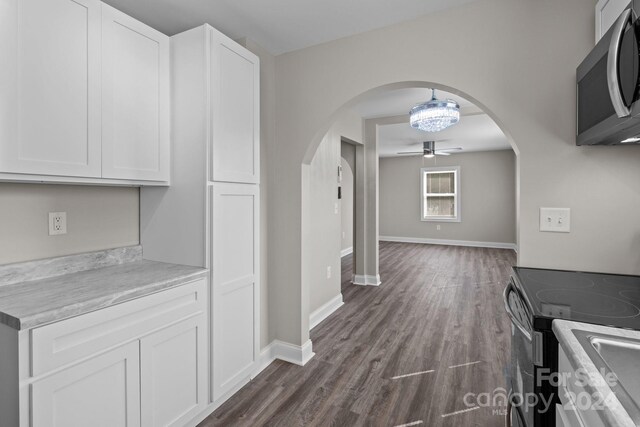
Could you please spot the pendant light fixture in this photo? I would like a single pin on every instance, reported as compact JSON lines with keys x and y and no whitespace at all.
{"x":435,"y":114}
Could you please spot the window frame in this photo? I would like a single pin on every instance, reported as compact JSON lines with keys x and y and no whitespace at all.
{"x":456,"y":195}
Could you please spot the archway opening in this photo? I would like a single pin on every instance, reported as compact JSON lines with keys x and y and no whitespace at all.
{"x":370,"y":118}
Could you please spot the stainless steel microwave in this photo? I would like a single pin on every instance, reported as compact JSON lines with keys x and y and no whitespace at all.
{"x":608,"y":111}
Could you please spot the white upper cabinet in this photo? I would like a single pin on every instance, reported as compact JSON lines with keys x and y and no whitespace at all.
{"x":84,"y":94}
{"x":607,"y":12}
{"x":135,"y":99}
{"x":50,"y":87}
{"x":235,"y":94}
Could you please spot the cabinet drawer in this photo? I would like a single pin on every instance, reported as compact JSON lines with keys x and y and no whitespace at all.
{"x":70,"y":340}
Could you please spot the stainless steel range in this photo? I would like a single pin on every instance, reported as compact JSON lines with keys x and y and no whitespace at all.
{"x":533,"y":299}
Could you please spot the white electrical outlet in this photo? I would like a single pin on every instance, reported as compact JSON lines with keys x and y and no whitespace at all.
{"x":328,"y":272}
{"x":555,"y":220}
{"x":344,"y":235}
{"x":57,"y":223}
{"x":438,"y":227}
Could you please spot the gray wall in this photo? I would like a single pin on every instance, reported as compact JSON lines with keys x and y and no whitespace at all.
{"x":488,"y":197}
{"x":348,"y":154}
{"x":324,"y":223}
{"x":97,"y":218}
{"x":516,"y":59}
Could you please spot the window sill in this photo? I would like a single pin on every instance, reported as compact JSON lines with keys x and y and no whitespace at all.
{"x":441,"y":220}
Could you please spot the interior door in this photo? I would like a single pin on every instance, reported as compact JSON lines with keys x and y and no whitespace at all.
{"x":101,"y":392}
{"x":234,"y":266}
{"x":135,"y":99}
{"x":50,"y":87}
{"x":235,"y":93}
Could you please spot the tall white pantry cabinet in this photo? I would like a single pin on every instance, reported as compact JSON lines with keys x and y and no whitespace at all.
{"x":209,"y":217}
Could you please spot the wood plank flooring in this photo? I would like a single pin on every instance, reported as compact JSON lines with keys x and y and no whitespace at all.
{"x":437,"y":307}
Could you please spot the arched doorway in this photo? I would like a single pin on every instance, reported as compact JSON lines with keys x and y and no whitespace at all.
{"x":366,"y":234}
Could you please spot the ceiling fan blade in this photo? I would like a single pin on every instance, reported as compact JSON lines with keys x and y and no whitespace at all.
{"x":442,"y":153}
{"x":444,"y":150}
{"x":410,"y":152}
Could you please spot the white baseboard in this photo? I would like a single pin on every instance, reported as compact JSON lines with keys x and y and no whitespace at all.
{"x":296,"y":354}
{"x":494,"y":245}
{"x":277,"y":349}
{"x":345,"y":252}
{"x":366,"y":280}
{"x":325,"y":311}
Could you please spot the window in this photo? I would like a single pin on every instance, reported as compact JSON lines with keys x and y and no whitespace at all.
{"x":440,"y":194}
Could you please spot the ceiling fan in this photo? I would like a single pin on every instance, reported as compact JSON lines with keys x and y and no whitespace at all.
{"x":429,"y":150}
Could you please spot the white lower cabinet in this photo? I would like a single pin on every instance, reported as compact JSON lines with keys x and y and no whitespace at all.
{"x":103,"y":391}
{"x":571,"y":391}
{"x":173,"y":374}
{"x":139,"y":363}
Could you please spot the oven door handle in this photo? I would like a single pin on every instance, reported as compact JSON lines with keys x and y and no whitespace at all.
{"x":510,"y":288}
{"x":612,"y":64}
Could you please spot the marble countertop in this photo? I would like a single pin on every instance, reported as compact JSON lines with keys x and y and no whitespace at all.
{"x":613,"y":413}
{"x":31,"y":303}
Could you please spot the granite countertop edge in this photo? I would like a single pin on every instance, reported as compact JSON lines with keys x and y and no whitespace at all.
{"x":97,"y":303}
{"x":614,"y":413}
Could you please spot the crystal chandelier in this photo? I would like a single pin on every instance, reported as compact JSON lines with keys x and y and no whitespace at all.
{"x":434,"y":115}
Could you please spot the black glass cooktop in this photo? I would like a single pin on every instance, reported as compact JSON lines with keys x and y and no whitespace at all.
{"x":604,"y":299}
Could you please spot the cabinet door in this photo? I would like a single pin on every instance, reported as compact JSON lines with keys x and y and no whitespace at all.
{"x":135,"y":99}
{"x":607,"y":12}
{"x":50,"y":87}
{"x":174,"y":373}
{"x":235,"y":273}
{"x":103,"y":391}
{"x":235,"y":109}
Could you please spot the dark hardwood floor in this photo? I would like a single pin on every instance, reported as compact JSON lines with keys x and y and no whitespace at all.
{"x":437,"y":307}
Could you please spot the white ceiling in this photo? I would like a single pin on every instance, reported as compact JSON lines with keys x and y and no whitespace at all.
{"x":280,"y":25}
{"x":285,"y":25}
{"x":472,"y":133}
{"x":476,"y":131}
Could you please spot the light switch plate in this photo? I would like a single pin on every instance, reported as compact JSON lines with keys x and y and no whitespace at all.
{"x":556,"y":220}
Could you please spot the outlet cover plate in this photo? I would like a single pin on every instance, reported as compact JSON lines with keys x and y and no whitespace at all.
{"x":57,"y":223}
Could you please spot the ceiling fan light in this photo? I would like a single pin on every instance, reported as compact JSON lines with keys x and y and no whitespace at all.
{"x":434,"y":115}
{"x":429,"y":156}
